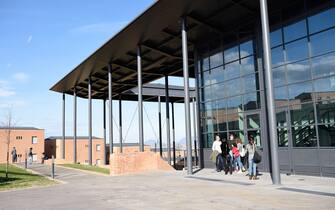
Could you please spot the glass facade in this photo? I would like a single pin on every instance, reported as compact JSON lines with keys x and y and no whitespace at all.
{"x":303,"y":59}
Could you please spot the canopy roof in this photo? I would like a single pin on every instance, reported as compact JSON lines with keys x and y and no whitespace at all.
{"x":157,"y":31}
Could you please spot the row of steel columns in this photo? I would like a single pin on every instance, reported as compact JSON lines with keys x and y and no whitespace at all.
{"x":269,"y":92}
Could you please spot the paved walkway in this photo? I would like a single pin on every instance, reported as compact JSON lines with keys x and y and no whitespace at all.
{"x":173,"y":190}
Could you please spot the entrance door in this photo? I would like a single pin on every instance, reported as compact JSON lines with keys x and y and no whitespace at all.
{"x":252,"y":127}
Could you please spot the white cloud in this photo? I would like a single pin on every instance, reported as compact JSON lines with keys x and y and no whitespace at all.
{"x":110,"y":28}
{"x":30,"y":38}
{"x":5,"y":90}
{"x":21,"y":77}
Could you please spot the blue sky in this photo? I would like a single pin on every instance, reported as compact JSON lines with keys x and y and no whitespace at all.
{"x":42,"y":40}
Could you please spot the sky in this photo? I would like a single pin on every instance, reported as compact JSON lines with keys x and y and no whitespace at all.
{"x":43,"y":40}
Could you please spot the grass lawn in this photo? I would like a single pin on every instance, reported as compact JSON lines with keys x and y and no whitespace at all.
{"x":20,"y":178}
{"x":88,"y":168}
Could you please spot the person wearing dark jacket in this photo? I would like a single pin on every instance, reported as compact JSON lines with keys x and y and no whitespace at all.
{"x":225,"y":154}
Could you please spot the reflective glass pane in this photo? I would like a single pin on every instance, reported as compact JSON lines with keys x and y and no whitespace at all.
{"x":326,"y":111}
{"x":246,"y":49}
{"x":251,"y":101}
{"x":297,"y":72}
{"x":234,"y":104}
{"x":304,"y":136}
{"x":323,"y":42}
{"x":222,"y":120}
{"x":276,"y":38}
{"x":281,"y":118}
{"x":235,"y":121}
{"x":253,"y":121}
{"x":206,"y":76}
{"x":327,"y":135}
{"x":295,"y":31}
{"x":233,"y":87}
{"x":232,"y":70}
{"x":209,"y":114}
{"x":216,"y":60}
{"x":250,"y":83}
{"x":231,"y":54}
{"x":208,"y":140}
{"x":205,"y":64}
{"x":279,"y":76}
{"x":217,"y":74}
{"x":297,"y":50}
{"x":218,"y":91}
{"x":207,"y":93}
{"x":247,"y":65}
{"x":302,"y":114}
{"x":323,"y":66}
{"x":325,"y":88}
{"x":281,"y":96}
{"x":321,"y":21}
{"x":282,"y":137}
{"x":301,"y":92}
{"x":277,"y":56}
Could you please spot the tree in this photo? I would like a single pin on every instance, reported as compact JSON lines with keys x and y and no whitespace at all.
{"x":8,"y":126}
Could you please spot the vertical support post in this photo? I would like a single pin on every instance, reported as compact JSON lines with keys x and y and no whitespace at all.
{"x":275,"y":173}
{"x":110,"y":115}
{"x":173,"y":137}
{"x":195,"y":133}
{"x":120,"y":123}
{"x":140,"y":98}
{"x":104,"y":161}
{"x":167,"y":103}
{"x":89,"y":121}
{"x":160,"y":127}
{"x":53,"y":167}
{"x":75,"y":126}
{"x":186,"y":97}
{"x":63,"y":129}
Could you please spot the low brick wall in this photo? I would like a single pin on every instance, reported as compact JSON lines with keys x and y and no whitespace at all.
{"x":128,"y":163}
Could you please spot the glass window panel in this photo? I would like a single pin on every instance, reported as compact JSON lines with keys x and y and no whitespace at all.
{"x":233,"y":87}
{"x":250,"y":83}
{"x":251,"y":101}
{"x":282,"y":137}
{"x":235,"y":121}
{"x":297,"y":50}
{"x":216,"y":60}
{"x":295,"y":31}
{"x":207,"y":93}
{"x":281,"y":96}
{"x":323,"y":66}
{"x":321,"y":21}
{"x":231,"y":54}
{"x":205,"y":64}
{"x":234,"y":104}
{"x":302,"y":114}
{"x":206,"y":78}
{"x":301,"y":92}
{"x":276,"y":38}
{"x":217,"y":75}
{"x":325,"y":88}
{"x":297,"y":72}
{"x":277,"y":55}
{"x":253,"y":121}
{"x":246,"y":49}
{"x":326,"y":112}
{"x":323,"y":42}
{"x":218,"y":91}
{"x":279,"y":76}
{"x":304,"y":136}
{"x":327,"y":135}
{"x":247,"y":65}
{"x":222,"y":122}
{"x":281,"y":118}
{"x":209,"y":114}
{"x":232,"y":70}
{"x":209,"y":140}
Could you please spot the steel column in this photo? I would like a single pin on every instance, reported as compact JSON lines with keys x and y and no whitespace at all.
{"x":110,"y":116}
{"x":140,"y":98}
{"x":167,"y":118}
{"x":195,"y":133}
{"x":160,"y":127}
{"x":63,"y":129}
{"x":120,"y":124}
{"x":275,"y":173}
{"x":75,"y":126}
{"x":89,"y":121}
{"x":173,"y":137}
{"x":105,"y":136}
{"x":186,"y":97}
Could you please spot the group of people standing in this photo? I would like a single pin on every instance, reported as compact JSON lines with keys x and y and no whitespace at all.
{"x":235,"y":157}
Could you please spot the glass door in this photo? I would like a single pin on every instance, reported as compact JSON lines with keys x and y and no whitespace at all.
{"x":252,"y":127}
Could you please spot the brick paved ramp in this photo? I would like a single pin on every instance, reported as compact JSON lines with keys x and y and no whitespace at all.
{"x":174,"y":190}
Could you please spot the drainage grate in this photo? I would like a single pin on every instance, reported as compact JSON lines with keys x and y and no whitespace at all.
{"x":307,"y":191}
{"x":220,"y":180}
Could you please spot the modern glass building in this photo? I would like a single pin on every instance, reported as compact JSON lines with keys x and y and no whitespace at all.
{"x":220,"y":44}
{"x":233,"y":101}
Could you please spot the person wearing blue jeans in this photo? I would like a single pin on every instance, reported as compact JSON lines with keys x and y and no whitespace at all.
{"x":251,"y":148}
